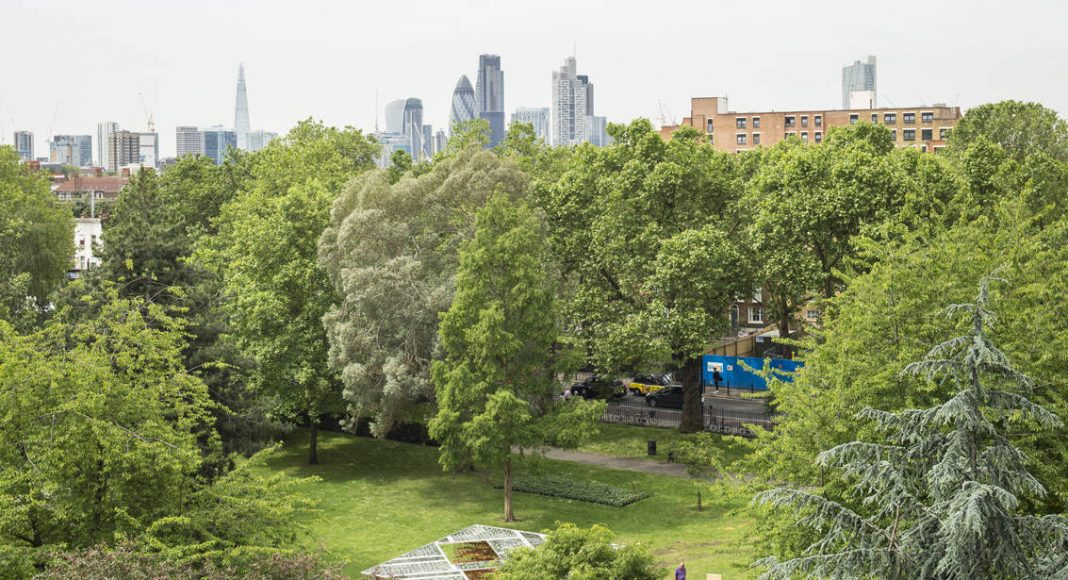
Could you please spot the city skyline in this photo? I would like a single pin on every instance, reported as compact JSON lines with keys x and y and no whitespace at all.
{"x":302,"y":68}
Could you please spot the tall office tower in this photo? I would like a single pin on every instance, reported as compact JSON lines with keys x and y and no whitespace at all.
{"x":102,"y":131}
{"x":428,"y":141}
{"x":536,"y":116}
{"x":76,"y":150}
{"x":589,"y":93}
{"x":598,"y":130}
{"x":259,"y":139}
{"x":464,"y":106}
{"x":395,"y":116}
{"x":24,"y":145}
{"x":440,"y":140}
{"x":489,"y":95}
{"x":148,"y":149}
{"x":217,"y":141}
{"x":413,"y":126}
{"x":189,"y":140}
{"x":859,"y":77}
{"x":241,"y":124}
{"x":391,"y":143}
{"x":123,"y":149}
{"x":569,"y":105}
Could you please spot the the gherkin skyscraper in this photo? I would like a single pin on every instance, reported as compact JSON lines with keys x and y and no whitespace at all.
{"x":241,"y":125}
{"x":464,"y":106}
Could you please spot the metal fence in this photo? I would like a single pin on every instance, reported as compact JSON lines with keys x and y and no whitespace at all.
{"x":727,"y":421}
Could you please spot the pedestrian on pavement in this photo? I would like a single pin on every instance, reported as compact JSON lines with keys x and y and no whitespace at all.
{"x":680,"y":572}
{"x":716,"y":378}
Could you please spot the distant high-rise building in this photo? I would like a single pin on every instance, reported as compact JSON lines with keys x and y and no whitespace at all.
{"x":257,"y":140}
{"x":536,"y":116}
{"x":148,"y":149}
{"x":76,"y":150}
{"x":569,"y":105}
{"x":189,"y":141}
{"x":217,"y":141}
{"x":464,"y":105}
{"x":102,"y":131}
{"x":428,"y":142}
{"x":241,"y":124}
{"x":440,"y":140}
{"x":598,"y":130}
{"x":859,"y":77}
{"x":123,"y":149}
{"x":395,"y":116}
{"x":24,"y":145}
{"x":413,"y":126}
{"x":391,"y":142}
{"x":584,"y":79}
{"x":489,"y":96}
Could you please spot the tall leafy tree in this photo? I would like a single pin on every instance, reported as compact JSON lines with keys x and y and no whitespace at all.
{"x":645,"y":233}
{"x":1021,"y":129}
{"x":391,"y":252}
{"x":941,"y":488}
{"x":266,"y":252}
{"x":495,"y":382}
{"x":38,"y":240}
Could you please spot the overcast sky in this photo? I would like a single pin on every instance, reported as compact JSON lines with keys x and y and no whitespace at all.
{"x":329,"y":59}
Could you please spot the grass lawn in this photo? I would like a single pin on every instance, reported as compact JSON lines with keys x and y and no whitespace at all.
{"x":630,"y":441}
{"x":379,"y":499}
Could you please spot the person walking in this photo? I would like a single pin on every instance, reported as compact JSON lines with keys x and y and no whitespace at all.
{"x":716,"y":378}
{"x":680,"y":572}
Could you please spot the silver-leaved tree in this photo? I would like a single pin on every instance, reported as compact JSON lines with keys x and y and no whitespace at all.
{"x":939,"y":496}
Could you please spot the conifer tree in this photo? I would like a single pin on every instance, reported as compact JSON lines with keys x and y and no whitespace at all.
{"x":939,"y":496}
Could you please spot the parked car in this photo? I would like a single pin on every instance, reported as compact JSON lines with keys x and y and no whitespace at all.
{"x":597,"y":388}
{"x":645,"y":384}
{"x":669,"y":396}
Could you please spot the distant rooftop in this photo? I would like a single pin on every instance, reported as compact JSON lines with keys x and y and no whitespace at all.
{"x":109,"y":186}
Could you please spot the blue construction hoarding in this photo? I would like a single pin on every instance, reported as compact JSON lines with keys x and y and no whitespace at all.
{"x":736,"y":376}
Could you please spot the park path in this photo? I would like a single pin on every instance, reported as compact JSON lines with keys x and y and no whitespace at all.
{"x":612,"y":462}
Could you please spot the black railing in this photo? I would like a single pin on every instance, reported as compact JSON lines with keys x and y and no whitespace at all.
{"x":716,"y":420}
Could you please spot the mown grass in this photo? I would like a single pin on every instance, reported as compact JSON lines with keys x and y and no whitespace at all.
{"x":379,"y":499}
{"x":631,"y":441}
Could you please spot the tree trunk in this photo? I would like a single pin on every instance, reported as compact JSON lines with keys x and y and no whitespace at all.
{"x":313,"y":444}
{"x":508,"y":515}
{"x":784,"y":331}
{"x":693,"y":410}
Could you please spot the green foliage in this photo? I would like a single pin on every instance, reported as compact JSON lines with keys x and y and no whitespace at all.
{"x":1022,"y":129}
{"x":574,"y":553}
{"x":642,"y":230}
{"x":128,"y":563}
{"x":495,"y":383}
{"x":589,"y":491}
{"x":391,"y":252}
{"x":940,"y":487}
{"x":266,"y":254}
{"x":104,"y":431}
{"x":38,"y":241}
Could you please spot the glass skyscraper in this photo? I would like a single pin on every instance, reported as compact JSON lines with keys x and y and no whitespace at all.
{"x":464,"y":106}
{"x":859,"y":76}
{"x":538,"y":117}
{"x":489,"y":95}
{"x":570,"y":111}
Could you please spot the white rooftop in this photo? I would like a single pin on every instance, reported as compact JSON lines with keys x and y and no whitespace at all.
{"x":430,"y":562}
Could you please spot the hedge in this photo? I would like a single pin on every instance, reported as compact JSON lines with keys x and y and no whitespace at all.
{"x":588,"y":491}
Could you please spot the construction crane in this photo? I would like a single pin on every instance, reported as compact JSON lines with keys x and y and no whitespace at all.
{"x":148,"y":114}
{"x":52,"y":127}
{"x":666,"y":120}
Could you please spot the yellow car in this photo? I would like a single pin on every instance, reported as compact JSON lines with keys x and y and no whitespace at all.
{"x":642,"y":385}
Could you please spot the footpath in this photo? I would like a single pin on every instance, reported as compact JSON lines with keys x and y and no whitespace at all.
{"x":611,"y":462}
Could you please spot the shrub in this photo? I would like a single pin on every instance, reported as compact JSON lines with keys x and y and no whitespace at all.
{"x":588,"y":491}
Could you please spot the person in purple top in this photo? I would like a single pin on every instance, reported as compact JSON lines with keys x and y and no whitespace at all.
{"x":680,"y":572}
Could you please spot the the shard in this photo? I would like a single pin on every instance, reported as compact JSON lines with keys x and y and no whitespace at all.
{"x":241,"y":125}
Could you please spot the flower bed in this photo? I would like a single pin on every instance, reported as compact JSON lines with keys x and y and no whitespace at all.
{"x":587,"y":491}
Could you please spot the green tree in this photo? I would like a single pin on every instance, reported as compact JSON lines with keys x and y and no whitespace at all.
{"x":38,"y":240}
{"x":644,"y":231}
{"x":495,"y":382}
{"x":1021,"y":129}
{"x":266,"y":253}
{"x":574,"y":553}
{"x":391,"y":252}
{"x":942,"y":487}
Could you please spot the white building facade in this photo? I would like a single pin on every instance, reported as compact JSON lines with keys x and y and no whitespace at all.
{"x":569,"y":105}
